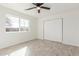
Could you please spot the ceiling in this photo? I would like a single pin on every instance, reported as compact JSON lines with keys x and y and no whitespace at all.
{"x":55,"y":8}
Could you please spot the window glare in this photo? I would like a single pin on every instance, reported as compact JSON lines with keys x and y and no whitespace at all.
{"x":26,"y":23}
{"x":16,"y":23}
{"x":22,"y":23}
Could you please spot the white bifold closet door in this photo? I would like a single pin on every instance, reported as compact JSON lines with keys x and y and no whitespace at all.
{"x":53,"y":30}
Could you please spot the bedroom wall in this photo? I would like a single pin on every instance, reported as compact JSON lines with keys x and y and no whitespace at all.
{"x":12,"y":38}
{"x":70,"y":26}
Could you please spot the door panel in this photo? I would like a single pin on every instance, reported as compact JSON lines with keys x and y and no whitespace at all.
{"x":53,"y":30}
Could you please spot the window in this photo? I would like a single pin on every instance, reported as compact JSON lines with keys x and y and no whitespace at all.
{"x":16,"y":24}
{"x":12,"y":23}
{"x":24,"y":24}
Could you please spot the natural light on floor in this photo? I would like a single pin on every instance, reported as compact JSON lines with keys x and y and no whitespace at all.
{"x":20,"y":52}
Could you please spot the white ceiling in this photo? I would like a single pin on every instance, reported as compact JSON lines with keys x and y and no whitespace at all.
{"x":55,"y":8}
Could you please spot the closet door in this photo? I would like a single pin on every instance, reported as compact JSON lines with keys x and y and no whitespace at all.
{"x":53,"y":30}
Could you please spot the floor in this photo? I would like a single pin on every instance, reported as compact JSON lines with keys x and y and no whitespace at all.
{"x":40,"y":48}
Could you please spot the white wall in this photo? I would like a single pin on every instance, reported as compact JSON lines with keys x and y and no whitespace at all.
{"x":12,"y":38}
{"x":70,"y":26}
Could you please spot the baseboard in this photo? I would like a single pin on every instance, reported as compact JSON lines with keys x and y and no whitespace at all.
{"x":16,"y":44}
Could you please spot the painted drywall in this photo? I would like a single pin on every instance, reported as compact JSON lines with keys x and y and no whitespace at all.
{"x":70,"y":26}
{"x":12,"y":38}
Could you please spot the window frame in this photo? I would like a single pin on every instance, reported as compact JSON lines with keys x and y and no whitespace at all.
{"x":19,"y":17}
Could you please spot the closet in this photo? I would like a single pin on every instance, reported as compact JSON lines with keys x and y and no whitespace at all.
{"x":53,"y":30}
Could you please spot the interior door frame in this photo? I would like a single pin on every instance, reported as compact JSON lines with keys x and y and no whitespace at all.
{"x":52,"y":20}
